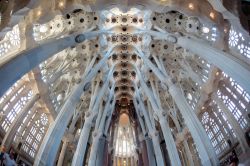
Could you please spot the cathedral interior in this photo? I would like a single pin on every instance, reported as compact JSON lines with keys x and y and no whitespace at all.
{"x":125,"y":82}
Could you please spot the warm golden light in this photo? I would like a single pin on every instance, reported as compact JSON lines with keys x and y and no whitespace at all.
{"x":61,"y":4}
{"x":191,"y":6}
{"x":39,"y":13}
{"x":203,"y":108}
{"x":217,"y":73}
{"x":124,"y":119}
{"x":212,"y":15}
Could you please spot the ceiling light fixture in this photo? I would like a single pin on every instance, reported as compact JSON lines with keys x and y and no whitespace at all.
{"x":39,"y":13}
{"x":61,"y":4}
{"x":212,"y":15}
{"x":191,"y":6}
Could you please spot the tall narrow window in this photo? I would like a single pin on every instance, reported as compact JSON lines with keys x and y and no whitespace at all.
{"x":124,"y":141}
{"x":214,"y":133}
{"x":34,"y":133}
{"x":236,"y":99}
{"x":13,"y":101}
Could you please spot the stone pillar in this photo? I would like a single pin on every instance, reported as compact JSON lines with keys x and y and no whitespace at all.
{"x":206,"y":151}
{"x":235,"y":68}
{"x":194,"y":153}
{"x":198,"y":133}
{"x":152,"y":131}
{"x":51,"y":142}
{"x":140,"y":159}
{"x":144,"y":152}
{"x":170,"y":143}
{"x":101,"y":127}
{"x":115,"y":161}
{"x":82,"y":143}
{"x":231,"y":119}
{"x":111,"y":159}
{"x":81,"y":146}
{"x":188,"y":153}
{"x":150,"y":152}
{"x":106,"y":155}
{"x":115,"y":158}
{"x":62,"y":153}
{"x":172,"y":150}
{"x":205,"y":148}
{"x":9,"y":136}
{"x":27,"y":60}
{"x":101,"y":153}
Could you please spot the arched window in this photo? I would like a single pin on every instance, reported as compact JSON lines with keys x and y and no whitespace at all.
{"x":124,"y":141}
{"x":124,"y":145}
{"x":11,"y":42}
{"x":238,"y":42}
{"x":33,"y":127}
{"x":34,"y":133}
{"x":236,"y":99}
{"x":13,"y":101}
{"x":214,"y":132}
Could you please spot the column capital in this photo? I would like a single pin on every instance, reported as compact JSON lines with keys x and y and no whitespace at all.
{"x":68,"y":137}
{"x":183,"y":135}
{"x":154,"y":134}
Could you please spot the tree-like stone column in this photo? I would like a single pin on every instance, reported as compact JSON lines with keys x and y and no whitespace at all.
{"x":234,"y":67}
{"x":90,"y":115}
{"x":155,"y":140}
{"x":63,"y":151}
{"x":27,"y":60}
{"x":51,"y":142}
{"x":205,"y":148}
{"x":100,"y":128}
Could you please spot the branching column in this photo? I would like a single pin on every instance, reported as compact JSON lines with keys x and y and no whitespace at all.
{"x":47,"y":152}
{"x":100,"y":131}
{"x":235,"y":68}
{"x":205,"y":148}
{"x":152,"y":131}
{"x":62,"y":153}
{"x":138,"y":142}
{"x":206,"y":151}
{"x":81,"y":146}
{"x":27,"y":60}
{"x":155,"y":140}
{"x":170,"y":143}
{"x":68,"y":137}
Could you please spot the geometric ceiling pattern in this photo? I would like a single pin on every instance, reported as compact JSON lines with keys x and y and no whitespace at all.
{"x":156,"y":82}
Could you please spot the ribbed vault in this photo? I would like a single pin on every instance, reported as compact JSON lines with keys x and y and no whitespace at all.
{"x":155,"y":82}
